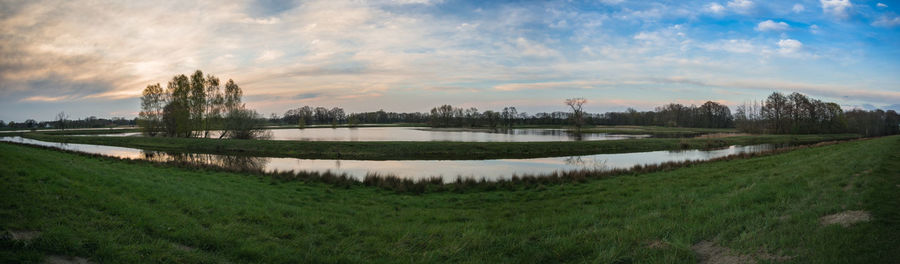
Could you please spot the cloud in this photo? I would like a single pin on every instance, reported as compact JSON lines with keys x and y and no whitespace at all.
{"x":890,"y":20}
{"x":741,"y":6}
{"x":552,"y":85}
{"x":733,"y":46}
{"x":836,"y":8}
{"x":814,"y":29}
{"x":770,"y":25}
{"x":715,"y":8}
{"x":881,"y":5}
{"x":789,"y":46}
{"x":269,"y":55}
{"x":39,"y":98}
{"x":798,"y":8}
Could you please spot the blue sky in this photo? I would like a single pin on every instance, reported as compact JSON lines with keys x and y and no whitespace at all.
{"x":94,"y":57}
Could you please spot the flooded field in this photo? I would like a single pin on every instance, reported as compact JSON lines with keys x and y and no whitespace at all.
{"x":415,"y":169}
{"x":426,"y":134}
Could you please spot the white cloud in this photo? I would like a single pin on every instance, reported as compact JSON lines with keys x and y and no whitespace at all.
{"x":789,"y":46}
{"x":770,"y":25}
{"x":715,"y":8}
{"x":741,"y":6}
{"x":798,"y":8}
{"x":837,"y":8}
{"x":533,"y":49}
{"x":733,"y":46}
{"x":881,"y":5}
{"x":887,"y":21}
{"x":814,"y":29}
{"x":269,"y":55}
{"x":612,"y":2}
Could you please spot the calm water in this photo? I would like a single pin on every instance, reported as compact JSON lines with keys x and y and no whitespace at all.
{"x":425,"y":134}
{"x":416,"y":169}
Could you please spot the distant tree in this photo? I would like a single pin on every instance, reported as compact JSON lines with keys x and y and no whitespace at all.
{"x":61,"y":118}
{"x":509,"y":116}
{"x":577,"y":113}
{"x":2,"y":124}
{"x":31,"y":124}
{"x":352,"y":120}
{"x":336,"y":115}
{"x":491,"y":118}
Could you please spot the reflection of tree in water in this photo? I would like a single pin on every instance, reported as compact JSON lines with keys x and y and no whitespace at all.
{"x":588,"y":164}
{"x":239,"y":163}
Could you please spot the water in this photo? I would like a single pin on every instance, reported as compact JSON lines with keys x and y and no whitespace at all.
{"x":449,"y":170}
{"x":426,"y":134}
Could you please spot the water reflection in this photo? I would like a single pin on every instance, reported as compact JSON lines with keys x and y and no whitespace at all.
{"x":237,"y":163}
{"x":427,"y":134}
{"x":449,"y":170}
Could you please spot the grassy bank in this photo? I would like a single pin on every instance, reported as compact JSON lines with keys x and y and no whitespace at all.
{"x":66,"y":205}
{"x":427,"y":150}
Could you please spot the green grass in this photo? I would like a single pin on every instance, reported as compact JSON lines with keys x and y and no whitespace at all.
{"x":656,"y":130}
{"x":112,"y":211}
{"x":428,"y":150}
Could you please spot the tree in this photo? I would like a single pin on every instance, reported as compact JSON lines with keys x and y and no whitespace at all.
{"x":197,"y":101}
{"x":31,"y":124}
{"x":233,"y":96}
{"x":152,"y":103}
{"x":244,"y":124}
{"x":214,"y":105}
{"x":177,"y":112}
{"x":577,"y":113}
{"x":61,"y":118}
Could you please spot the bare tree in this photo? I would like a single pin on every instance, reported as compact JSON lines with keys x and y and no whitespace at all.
{"x":61,"y":120}
{"x":577,"y":112}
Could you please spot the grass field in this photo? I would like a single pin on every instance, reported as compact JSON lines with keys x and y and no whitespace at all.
{"x":428,"y":150}
{"x":61,"y":206}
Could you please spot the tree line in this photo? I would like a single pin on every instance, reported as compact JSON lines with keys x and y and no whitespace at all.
{"x":66,"y":123}
{"x":798,"y":114}
{"x":707,"y":115}
{"x":196,"y":106}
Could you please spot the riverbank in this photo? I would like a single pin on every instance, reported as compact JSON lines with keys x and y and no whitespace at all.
{"x":829,"y":204}
{"x":431,"y":150}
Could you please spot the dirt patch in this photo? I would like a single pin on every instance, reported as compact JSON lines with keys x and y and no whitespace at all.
{"x":183,"y":247}
{"x":657,"y":244}
{"x":848,"y":187}
{"x":710,"y":253}
{"x":846,"y":218}
{"x":65,"y":260}
{"x":21,"y":235}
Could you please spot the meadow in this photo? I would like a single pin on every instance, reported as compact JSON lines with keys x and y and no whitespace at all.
{"x":776,"y":208}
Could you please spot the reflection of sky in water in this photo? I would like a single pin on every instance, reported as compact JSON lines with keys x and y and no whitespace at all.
{"x":420,"y":134}
{"x":448,"y":169}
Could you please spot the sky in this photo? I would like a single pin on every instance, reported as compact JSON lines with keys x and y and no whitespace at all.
{"x":93,"y":58}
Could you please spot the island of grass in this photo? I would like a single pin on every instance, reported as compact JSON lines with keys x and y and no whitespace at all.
{"x":829,"y":204}
{"x":430,"y":150}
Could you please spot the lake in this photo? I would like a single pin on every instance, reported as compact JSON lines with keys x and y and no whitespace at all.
{"x":426,"y":134}
{"x":449,"y":170}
